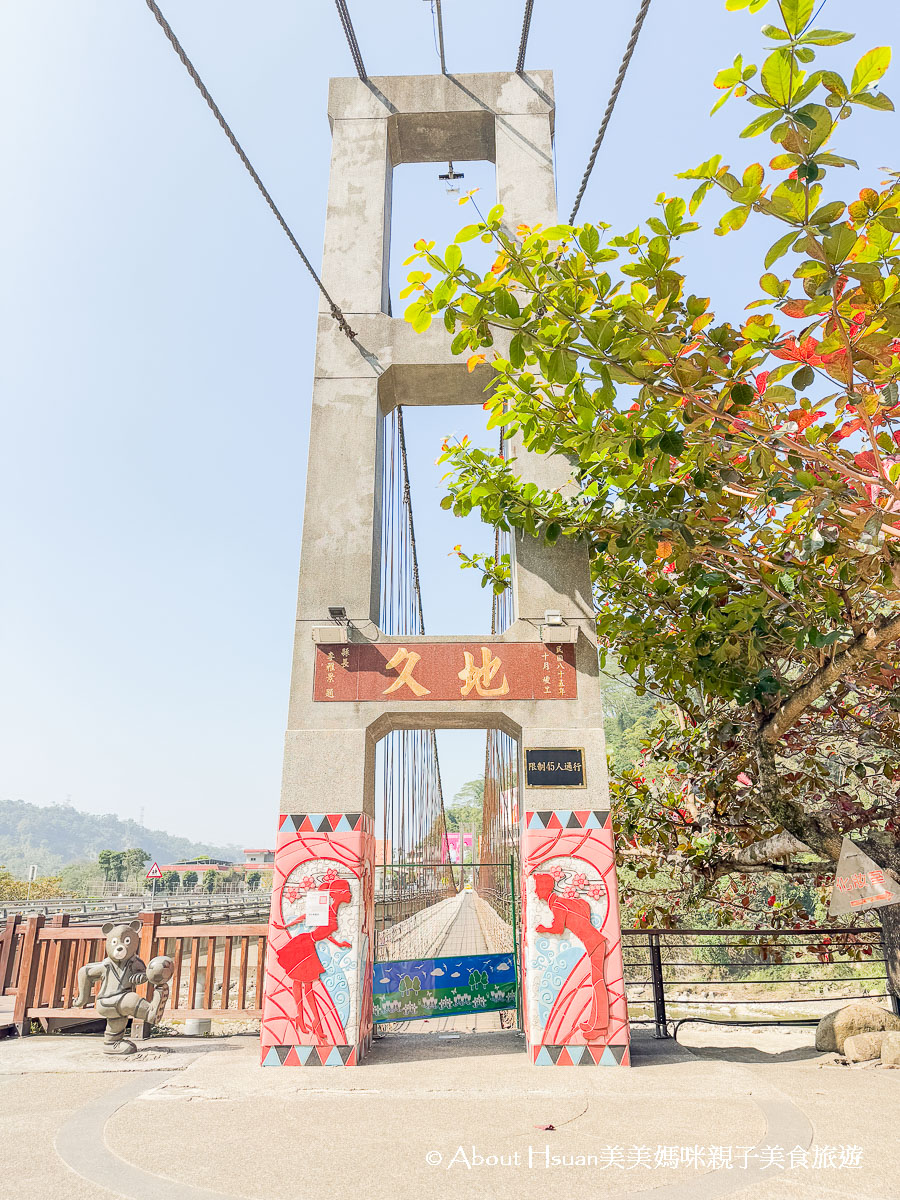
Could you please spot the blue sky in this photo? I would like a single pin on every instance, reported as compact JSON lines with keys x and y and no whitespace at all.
{"x":159,"y":331}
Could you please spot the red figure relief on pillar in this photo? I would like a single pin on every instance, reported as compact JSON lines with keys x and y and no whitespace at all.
{"x":301,"y":963}
{"x":574,"y":915}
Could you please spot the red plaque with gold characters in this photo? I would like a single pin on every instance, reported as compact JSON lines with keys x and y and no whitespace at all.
{"x":426,"y":671}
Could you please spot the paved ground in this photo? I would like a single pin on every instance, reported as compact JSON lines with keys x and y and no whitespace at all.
{"x":187,"y":1119}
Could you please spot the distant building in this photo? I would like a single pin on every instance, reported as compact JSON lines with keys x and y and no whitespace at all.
{"x":254,"y":860}
{"x":259,"y":858}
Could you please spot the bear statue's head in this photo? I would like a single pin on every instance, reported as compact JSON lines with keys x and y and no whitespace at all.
{"x":122,"y":941}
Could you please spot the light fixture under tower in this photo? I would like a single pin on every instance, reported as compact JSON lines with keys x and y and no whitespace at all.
{"x":450,"y":178}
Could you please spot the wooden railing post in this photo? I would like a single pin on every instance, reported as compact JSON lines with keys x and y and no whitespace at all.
{"x":8,"y":950}
{"x":59,"y":962}
{"x":149,"y":925}
{"x":27,"y":973}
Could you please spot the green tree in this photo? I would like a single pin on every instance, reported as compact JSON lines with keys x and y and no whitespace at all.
{"x":135,"y":862}
{"x":169,"y":881}
{"x":465,"y":811}
{"x":629,"y":718}
{"x":737,"y":483}
{"x":117,"y":865}
{"x":189,"y":879}
{"x":104,"y":859}
{"x":253,"y":880}
{"x":79,"y":879}
{"x":210,"y":878}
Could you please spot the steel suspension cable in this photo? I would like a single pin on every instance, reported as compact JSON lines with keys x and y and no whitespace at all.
{"x":238,"y":149}
{"x":440,"y":31}
{"x":617,"y":87}
{"x":350,"y":34}
{"x":523,"y":41}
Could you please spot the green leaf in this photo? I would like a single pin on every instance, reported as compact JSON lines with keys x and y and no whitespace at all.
{"x":562,"y":366}
{"x":803,"y":378}
{"x":506,"y":303}
{"x":742,"y":393}
{"x":589,"y":239}
{"x":870,"y":68}
{"x":557,"y":233}
{"x":777,"y":76}
{"x":838,"y":243}
{"x":672,"y":442}
{"x":817,"y":119}
{"x":827,"y":213}
{"x":517,"y":351}
{"x":467,"y":233}
{"x":796,"y":14}
{"x":780,"y":248}
{"x":761,"y":124}
{"x":453,"y":257}
{"x":874,"y":101}
{"x":773,"y":286}
{"x":827,"y":37}
{"x":734,"y":218}
{"x":697,"y":198}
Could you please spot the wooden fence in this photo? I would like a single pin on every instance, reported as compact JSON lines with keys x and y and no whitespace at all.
{"x":219,"y":969}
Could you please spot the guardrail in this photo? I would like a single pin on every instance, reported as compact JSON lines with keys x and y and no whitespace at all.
{"x":218,"y":972}
{"x":742,"y":976}
{"x":194,"y":909}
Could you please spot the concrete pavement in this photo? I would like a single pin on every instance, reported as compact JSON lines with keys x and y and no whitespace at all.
{"x":194,"y":1118}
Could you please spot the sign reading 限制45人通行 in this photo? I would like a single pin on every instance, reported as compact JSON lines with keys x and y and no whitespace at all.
{"x":445,"y":671}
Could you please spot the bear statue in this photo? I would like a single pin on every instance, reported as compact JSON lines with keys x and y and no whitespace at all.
{"x":119,"y":973}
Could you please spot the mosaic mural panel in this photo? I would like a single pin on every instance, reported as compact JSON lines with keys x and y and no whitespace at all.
{"x":317,"y":1005}
{"x":573,"y":986}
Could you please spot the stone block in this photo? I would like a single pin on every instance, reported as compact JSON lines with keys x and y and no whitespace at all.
{"x":861,"y":1047}
{"x":860,"y":1017}
{"x":890,"y":1049}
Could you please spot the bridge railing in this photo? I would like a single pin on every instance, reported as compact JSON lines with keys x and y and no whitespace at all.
{"x":750,"y":976}
{"x":98,"y":909}
{"x":219,"y":969}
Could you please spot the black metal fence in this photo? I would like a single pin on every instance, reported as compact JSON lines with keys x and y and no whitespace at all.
{"x":750,"y":976}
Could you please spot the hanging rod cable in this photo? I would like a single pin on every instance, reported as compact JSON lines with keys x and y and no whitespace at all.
{"x":238,"y":149}
{"x":350,"y":34}
{"x":523,"y":42}
{"x":440,"y":31}
{"x":617,"y":87}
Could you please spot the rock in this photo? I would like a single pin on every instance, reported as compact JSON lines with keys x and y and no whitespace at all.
{"x":860,"y":1047}
{"x":890,"y":1049}
{"x":860,"y":1017}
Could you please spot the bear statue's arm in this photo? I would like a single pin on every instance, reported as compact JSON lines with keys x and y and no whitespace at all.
{"x":138,"y":971}
{"x":86,"y":977}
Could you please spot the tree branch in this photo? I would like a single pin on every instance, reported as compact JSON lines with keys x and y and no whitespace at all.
{"x":881,"y":634}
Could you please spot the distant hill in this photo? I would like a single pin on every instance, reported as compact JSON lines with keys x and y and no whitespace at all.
{"x":57,"y":835}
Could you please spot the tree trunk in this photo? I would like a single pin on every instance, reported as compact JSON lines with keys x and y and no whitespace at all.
{"x":890,"y":933}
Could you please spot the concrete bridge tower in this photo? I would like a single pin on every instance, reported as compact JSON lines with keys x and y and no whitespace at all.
{"x":351,"y":684}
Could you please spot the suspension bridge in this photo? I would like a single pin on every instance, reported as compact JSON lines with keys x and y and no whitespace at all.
{"x":372,"y":921}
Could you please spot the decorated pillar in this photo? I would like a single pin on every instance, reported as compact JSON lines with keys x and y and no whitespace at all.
{"x":317,"y":1009}
{"x":573,"y":986}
